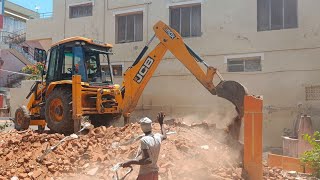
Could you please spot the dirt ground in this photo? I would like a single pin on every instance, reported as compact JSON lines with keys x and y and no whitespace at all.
{"x":196,"y":151}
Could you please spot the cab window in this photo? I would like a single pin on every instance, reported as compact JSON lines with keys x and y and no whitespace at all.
{"x":52,"y":65}
{"x":67,"y":63}
{"x":79,"y":67}
{"x":91,"y":61}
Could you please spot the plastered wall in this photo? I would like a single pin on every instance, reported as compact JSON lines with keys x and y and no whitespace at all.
{"x":229,"y":28}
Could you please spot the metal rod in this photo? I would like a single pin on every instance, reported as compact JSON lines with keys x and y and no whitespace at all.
{"x":196,"y":56}
{"x":70,"y":137}
{"x":144,"y":50}
{"x":219,"y":75}
{"x":152,"y":38}
{"x":203,"y":62}
{"x":110,"y":68}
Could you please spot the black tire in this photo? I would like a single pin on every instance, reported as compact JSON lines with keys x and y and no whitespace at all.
{"x":22,"y":119}
{"x":104,"y":119}
{"x":59,"y":111}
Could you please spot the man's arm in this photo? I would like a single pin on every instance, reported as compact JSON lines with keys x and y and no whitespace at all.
{"x":163,"y":132}
{"x":143,"y":160}
{"x":160,"y":118}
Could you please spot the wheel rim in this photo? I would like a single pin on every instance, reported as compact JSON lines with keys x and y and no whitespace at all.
{"x":56,"y":110}
{"x":19,"y":118}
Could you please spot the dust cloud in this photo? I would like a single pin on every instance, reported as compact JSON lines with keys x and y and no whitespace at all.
{"x":214,"y":153}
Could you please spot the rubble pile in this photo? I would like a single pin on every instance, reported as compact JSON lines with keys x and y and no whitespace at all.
{"x":193,"y":152}
{"x":277,"y":173}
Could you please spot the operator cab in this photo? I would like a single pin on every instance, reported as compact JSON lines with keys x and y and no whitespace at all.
{"x":79,"y":56}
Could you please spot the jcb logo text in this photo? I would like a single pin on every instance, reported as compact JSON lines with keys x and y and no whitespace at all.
{"x":170,"y":33}
{"x":143,"y":70}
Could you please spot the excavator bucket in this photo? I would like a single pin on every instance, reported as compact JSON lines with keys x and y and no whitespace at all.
{"x":233,"y":92}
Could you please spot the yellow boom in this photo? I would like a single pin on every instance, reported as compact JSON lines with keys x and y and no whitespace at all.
{"x":138,"y":75}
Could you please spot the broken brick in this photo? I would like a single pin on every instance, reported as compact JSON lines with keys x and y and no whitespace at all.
{"x":23,"y":175}
{"x":36,"y":173}
{"x":180,"y":157}
{"x":51,"y":168}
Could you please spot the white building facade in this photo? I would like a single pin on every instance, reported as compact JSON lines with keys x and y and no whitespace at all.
{"x":270,"y":46}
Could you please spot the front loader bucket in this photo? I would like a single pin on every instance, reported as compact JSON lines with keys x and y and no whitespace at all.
{"x":233,"y":92}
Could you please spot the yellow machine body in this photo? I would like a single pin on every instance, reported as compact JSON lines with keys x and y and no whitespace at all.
{"x":105,"y":102}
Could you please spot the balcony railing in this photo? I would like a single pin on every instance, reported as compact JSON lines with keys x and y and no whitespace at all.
{"x":42,"y":15}
{"x":46,"y":15}
{"x":12,"y":37}
{"x":26,"y":54}
{"x":16,"y":41}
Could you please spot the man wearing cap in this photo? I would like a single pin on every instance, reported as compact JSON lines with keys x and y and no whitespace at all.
{"x":150,"y":149}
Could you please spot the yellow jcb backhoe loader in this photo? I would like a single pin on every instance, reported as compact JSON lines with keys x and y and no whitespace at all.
{"x":76,"y":86}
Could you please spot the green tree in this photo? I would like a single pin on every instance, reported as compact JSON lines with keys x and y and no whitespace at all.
{"x":311,"y":158}
{"x":34,"y":70}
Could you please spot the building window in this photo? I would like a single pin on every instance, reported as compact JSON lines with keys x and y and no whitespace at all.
{"x":39,"y":55}
{"x":186,"y":20}
{"x":247,"y":64}
{"x":129,"y":28}
{"x":11,"y":24}
{"x":277,"y":14}
{"x":117,"y":69}
{"x":312,"y":93}
{"x":81,"y":10}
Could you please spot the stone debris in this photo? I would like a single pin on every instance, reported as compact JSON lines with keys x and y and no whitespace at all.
{"x":14,"y":178}
{"x":184,"y":155}
{"x":205,"y":147}
{"x":277,"y":173}
{"x":93,"y":171}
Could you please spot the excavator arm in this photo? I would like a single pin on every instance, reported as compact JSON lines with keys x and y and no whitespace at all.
{"x":139,"y":74}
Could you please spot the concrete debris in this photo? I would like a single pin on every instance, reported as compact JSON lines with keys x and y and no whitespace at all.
{"x":93,"y":171}
{"x":292,"y":173}
{"x":93,"y":155}
{"x":14,"y":178}
{"x":277,"y":173}
{"x":35,"y":174}
{"x":205,"y":147}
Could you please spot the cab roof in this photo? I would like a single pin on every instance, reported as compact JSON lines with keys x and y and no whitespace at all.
{"x":87,"y":40}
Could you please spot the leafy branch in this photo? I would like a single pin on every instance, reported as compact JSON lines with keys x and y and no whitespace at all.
{"x":34,"y":70}
{"x":312,"y":157}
